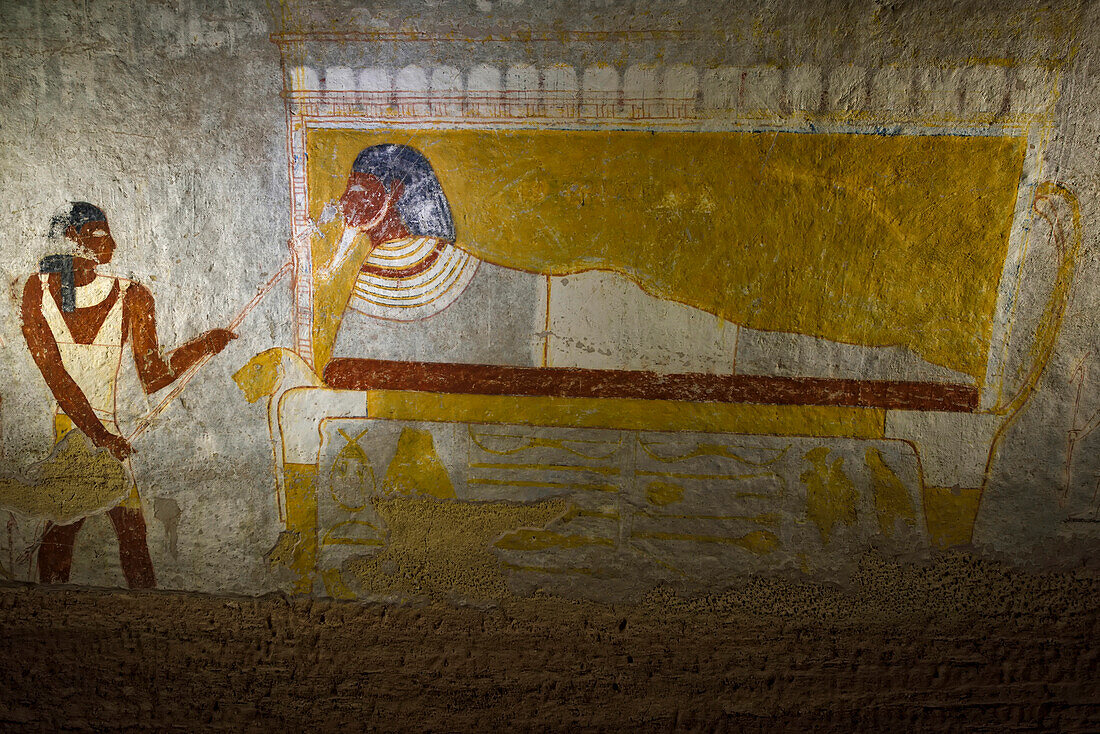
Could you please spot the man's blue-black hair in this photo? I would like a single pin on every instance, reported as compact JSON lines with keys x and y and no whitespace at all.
{"x":63,"y":266}
{"x":423,"y":205}
{"x":76,"y":215}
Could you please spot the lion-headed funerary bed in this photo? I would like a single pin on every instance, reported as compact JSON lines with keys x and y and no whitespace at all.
{"x":710,"y":319}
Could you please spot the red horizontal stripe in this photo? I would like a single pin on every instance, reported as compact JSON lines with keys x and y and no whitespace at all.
{"x":397,"y":273}
{"x":479,"y":379}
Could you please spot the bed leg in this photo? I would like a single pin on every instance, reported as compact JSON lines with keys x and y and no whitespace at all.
{"x":949,"y":513}
{"x":301,"y":523}
{"x":954,"y":451}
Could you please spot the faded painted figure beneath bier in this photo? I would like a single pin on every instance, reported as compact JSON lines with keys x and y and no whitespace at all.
{"x":77,"y":322}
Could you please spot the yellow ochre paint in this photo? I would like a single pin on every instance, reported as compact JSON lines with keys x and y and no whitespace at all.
{"x":663,"y":493}
{"x":831,"y":496}
{"x":758,"y":541}
{"x":301,"y":522}
{"x":529,"y":540}
{"x":892,"y":501}
{"x":863,"y":239}
{"x":769,"y":518}
{"x":629,"y":414}
{"x":443,"y":548}
{"x":335,"y":586}
{"x":416,"y":467}
{"x":74,"y":481}
{"x":950,"y":513}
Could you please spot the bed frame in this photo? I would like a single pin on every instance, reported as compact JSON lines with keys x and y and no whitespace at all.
{"x":951,"y":430}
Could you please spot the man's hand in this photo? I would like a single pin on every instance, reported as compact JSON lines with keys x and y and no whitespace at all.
{"x":217,"y":339}
{"x":118,"y":446}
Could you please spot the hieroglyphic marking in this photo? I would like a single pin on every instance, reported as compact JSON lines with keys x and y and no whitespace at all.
{"x":529,"y":540}
{"x":770,"y":519}
{"x":892,"y":501}
{"x":545,"y":467}
{"x":831,"y":496}
{"x":736,"y":453}
{"x":758,"y":541}
{"x":689,"y":475}
{"x":521,"y":442}
{"x":543,"y":462}
{"x":548,"y":485}
{"x":662,"y":493}
{"x":351,"y":478}
{"x":343,"y":533}
{"x":416,"y":467}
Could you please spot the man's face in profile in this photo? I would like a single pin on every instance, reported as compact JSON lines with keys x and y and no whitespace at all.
{"x":363,"y":200}
{"x":95,"y":239}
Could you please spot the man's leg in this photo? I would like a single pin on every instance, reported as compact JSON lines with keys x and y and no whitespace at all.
{"x":133,"y":550}
{"x":55,"y":554}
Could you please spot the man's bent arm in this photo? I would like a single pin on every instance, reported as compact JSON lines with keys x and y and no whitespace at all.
{"x":155,"y":371}
{"x":47,"y":356}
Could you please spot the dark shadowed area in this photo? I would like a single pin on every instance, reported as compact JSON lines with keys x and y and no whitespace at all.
{"x":960,"y":645}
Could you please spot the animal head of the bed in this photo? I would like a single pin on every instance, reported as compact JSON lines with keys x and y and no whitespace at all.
{"x":273,"y":371}
{"x":744,"y":191}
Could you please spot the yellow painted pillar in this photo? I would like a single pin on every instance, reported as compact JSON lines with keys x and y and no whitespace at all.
{"x":301,"y":520}
{"x":950,"y":513}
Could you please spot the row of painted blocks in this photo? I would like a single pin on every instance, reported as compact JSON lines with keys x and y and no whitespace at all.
{"x":977,"y":90}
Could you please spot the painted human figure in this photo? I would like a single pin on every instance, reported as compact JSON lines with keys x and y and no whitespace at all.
{"x":419,"y":296}
{"x":416,"y":295}
{"x":77,"y":322}
{"x":394,"y":198}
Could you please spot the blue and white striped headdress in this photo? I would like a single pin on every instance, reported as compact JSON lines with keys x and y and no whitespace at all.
{"x":423,"y":206}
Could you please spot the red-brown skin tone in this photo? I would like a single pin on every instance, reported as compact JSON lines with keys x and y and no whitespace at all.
{"x":55,"y":554}
{"x":364,"y":198}
{"x":139,"y":327}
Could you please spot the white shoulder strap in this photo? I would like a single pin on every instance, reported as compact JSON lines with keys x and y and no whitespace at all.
{"x":51,"y":312}
{"x":110,"y":331}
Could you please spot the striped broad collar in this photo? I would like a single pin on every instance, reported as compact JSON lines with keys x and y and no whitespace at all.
{"x":411,"y":278}
{"x":404,"y":258}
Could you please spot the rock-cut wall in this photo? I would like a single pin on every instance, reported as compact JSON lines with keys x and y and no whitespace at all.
{"x":500,"y":302}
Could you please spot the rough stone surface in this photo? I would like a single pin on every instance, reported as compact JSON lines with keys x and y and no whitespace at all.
{"x":962,"y":645}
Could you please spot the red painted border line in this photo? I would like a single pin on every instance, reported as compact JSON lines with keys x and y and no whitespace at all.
{"x":479,"y":379}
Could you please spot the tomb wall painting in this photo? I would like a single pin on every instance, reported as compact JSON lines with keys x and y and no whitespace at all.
{"x":695,"y":339}
{"x":570,"y":323}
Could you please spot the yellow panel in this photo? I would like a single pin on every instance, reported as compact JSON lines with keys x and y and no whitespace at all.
{"x":416,"y":467}
{"x":950,"y":513}
{"x":621,"y":413}
{"x":863,"y":239}
{"x":301,"y":524}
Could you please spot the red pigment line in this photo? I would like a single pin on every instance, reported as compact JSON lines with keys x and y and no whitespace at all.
{"x":566,"y":382}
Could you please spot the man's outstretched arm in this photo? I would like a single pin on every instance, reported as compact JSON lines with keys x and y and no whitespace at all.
{"x":47,"y":356}
{"x":154,"y":369}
